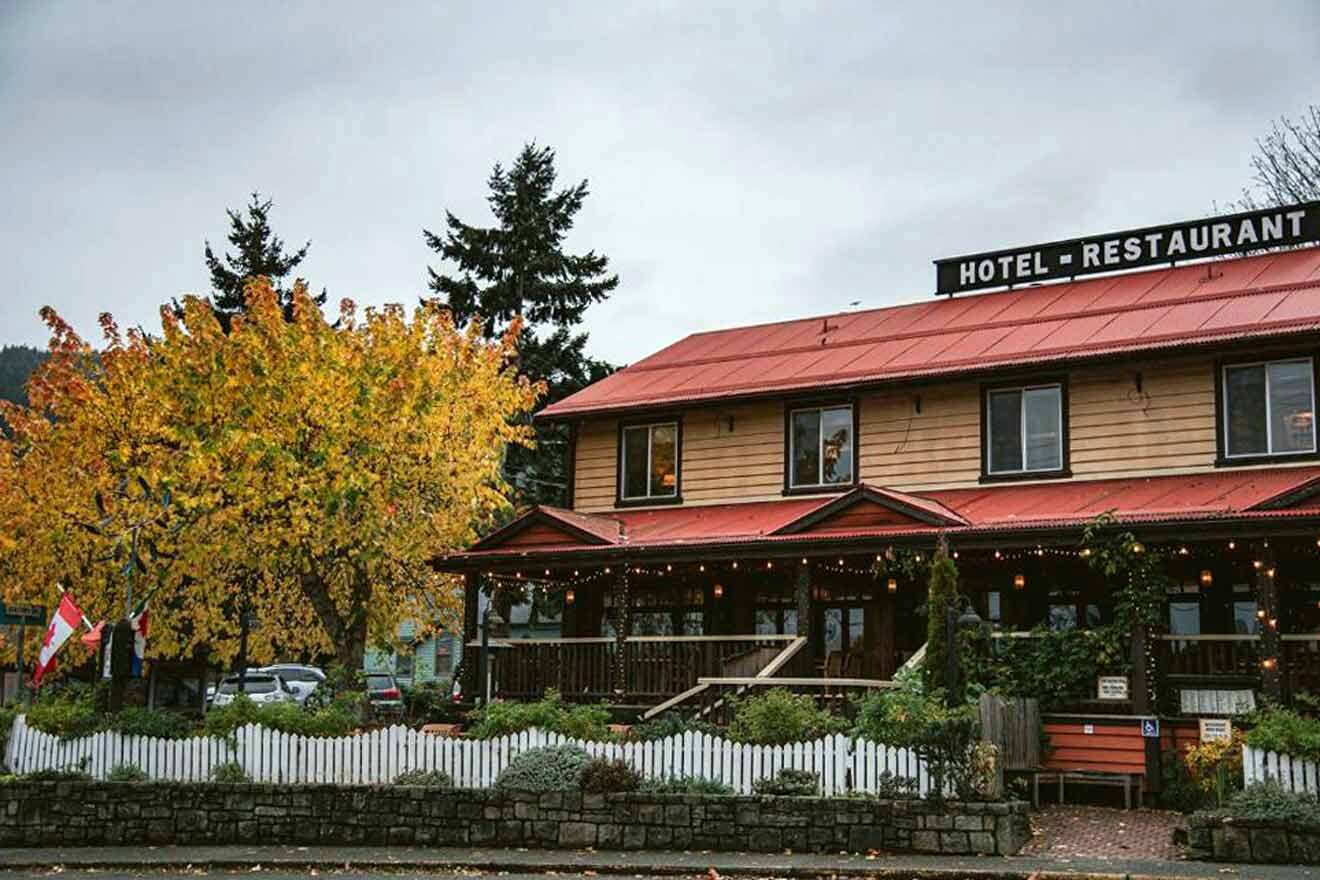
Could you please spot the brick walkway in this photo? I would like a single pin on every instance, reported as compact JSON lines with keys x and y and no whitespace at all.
{"x":1066,"y":832}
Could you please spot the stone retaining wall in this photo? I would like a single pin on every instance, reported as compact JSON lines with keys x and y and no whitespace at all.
{"x":91,"y":813}
{"x":1237,"y":841}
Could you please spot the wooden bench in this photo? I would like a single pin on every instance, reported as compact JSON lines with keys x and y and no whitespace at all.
{"x":1125,"y":781}
{"x":1101,"y":752}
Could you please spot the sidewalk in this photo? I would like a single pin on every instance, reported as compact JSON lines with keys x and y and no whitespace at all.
{"x":368,"y":859}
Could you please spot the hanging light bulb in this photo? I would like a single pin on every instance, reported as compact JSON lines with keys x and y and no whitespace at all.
{"x":735,"y":563}
{"x":569,"y":597}
{"x":1019,"y":581}
{"x":769,"y":564}
{"x":892,"y":586}
{"x":717,"y":591}
{"x":1232,"y":545}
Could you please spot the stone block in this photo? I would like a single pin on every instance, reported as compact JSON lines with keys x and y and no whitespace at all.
{"x":659,"y":837}
{"x":954,"y":842}
{"x":402,"y":834}
{"x":862,"y":838}
{"x":764,"y":840}
{"x":634,"y":837}
{"x":1269,"y":845}
{"x":1232,"y":844}
{"x":650,"y":814}
{"x":609,"y":836}
{"x":577,"y":834}
{"x":926,"y":841}
{"x":678,"y":814}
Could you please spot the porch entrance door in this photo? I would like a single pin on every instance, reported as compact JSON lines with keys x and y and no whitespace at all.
{"x":843,"y":640}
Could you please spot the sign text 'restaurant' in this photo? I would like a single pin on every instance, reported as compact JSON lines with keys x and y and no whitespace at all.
{"x":1216,"y":236}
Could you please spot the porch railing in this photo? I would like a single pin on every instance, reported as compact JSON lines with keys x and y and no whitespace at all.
{"x":655,"y":667}
{"x":1219,"y":656}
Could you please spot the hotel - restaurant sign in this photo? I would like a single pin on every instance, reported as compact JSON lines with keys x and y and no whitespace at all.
{"x":1212,"y":237}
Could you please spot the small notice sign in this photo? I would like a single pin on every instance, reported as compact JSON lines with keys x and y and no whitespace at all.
{"x":1088,"y":729}
{"x":1150,"y":728}
{"x":1112,"y":687}
{"x":1216,"y":728}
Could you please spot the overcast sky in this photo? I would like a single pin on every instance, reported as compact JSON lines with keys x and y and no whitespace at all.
{"x":747,"y":163}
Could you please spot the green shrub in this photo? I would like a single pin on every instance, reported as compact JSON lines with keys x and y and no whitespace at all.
{"x":797,"y":783}
{"x":945,"y":738}
{"x":552,"y":768}
{"x":428,"y":702}
{"x":1056,"y":667}
{"x":608,"y":776}
{"x":1180,"y":792}
{"x":429,"y":778}
{"x":74,"y":773}
{"x":230,"y":772}
{"x":670,"y":724}
{"x":779,"y":717}
{"x":942,"y":594}
{"x":549,"y":713}
{"x":7,"y":716}
{"x":685,"y":785}
{"x":1286,"y":732}
{"x":1267,"y":802}
{"x":66,"y":715}
{"x":334,"y":719}
{"x":126,"y":773}
{"x":137,"y":721}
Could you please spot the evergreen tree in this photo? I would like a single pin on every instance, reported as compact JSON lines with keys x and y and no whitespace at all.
{"x":943,"y":595}
{"x":518,"y":267}
{"x":259,"y":253}
{"x":16,"y":364}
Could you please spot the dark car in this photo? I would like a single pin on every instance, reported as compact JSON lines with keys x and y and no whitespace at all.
{"x":383,"y":694}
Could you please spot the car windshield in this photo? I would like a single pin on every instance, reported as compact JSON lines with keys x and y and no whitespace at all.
{"x":379,"y":682}
{"x":255,"y":684}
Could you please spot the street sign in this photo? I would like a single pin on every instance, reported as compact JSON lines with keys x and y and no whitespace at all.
{"x":1150,"y":728}
{"x":22,"y":615}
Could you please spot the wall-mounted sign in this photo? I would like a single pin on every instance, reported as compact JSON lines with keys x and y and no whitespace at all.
{"x":1150,"y":728}
{"x":1216,"y":728}
{"x":1088,"y":729}
{"x":1112,"y":687}
{"x":22,"y":615}
{"x":1131,"y":249}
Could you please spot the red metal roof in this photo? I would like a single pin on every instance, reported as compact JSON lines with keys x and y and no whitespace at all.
{"x":1229,"y":495}
{"x":1259,"y":296}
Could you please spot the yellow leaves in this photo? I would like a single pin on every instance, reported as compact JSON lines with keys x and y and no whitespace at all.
{"x":306,"y":461}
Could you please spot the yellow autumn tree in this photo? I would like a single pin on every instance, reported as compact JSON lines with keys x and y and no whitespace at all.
{"x":302,"y":471}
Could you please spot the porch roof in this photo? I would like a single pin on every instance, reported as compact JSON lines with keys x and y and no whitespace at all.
{"x":874,"y":513}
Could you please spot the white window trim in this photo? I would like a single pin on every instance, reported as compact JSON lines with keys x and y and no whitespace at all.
{"x":1269,"y":423}
{"x":1022,"y":429}
{"x":649,"y":428}
{"x":820,"y":446}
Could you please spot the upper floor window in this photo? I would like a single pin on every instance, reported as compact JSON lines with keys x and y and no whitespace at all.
{"x":1024,"y":430}
{"x":1269,"y":408}
{"x":648,"y":462}
{"x":820,"y":447}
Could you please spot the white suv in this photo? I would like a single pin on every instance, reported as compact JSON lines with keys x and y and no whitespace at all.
{"x":261,"y":687}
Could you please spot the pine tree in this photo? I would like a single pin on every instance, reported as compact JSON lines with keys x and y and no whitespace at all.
{"x":260,"y":253}
{"x":518,"y":267}
{"x":943,"y":595}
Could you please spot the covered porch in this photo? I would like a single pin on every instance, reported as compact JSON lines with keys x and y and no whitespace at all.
{"x":665,"y":608}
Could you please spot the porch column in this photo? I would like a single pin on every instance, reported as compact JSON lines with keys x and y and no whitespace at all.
{"x":467,"y":662}
{"x":802,"y":593}
{"x":1267,"y":593}
{"x":622,"y":626}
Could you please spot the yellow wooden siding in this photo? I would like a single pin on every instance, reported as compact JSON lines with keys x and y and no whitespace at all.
{"x":1114,"y":431}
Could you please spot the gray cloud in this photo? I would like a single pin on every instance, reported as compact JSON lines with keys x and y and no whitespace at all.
{"x":748,"y":162}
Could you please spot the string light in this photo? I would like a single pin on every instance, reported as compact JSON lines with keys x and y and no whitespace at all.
{"x":769,"y":564}
{"x":1232,"y":545}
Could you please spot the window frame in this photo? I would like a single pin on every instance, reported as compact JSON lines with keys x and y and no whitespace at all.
{"x":621,"y":500}
{"x":1222,"y":457}
{"x":1064,"y":470}
{"x":820,"y":405}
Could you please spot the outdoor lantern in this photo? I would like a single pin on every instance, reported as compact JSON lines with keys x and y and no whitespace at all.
{"x":569,"y":597}
{"x":1207,"y":577}
{"x":1019,"y":581}
{"x":718,"y":591}
{"x":893,"y":585}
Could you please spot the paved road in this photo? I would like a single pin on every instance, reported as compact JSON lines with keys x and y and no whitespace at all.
{"x":350,"y":863}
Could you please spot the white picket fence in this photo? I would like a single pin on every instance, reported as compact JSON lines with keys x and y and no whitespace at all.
{"x":843,"y":764}
{"x":1293,"y":774}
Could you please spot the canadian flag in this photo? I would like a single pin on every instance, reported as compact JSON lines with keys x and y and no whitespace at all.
{"x":67,"y":619}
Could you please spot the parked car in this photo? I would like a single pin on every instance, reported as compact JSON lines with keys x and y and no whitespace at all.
{"x":261,"y":687}
{"x":303,"y":679}
{"x":383,"y":694}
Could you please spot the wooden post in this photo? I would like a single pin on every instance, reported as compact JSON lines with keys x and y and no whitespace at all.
{"x":466,"y":673}
{"x":622,"y":625}
{"x":1145,"y":701}
{"x":802,"y":593}
{"x":1267,"y":594}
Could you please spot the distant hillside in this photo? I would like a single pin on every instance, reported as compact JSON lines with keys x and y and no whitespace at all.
{"x":17,"y":363}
